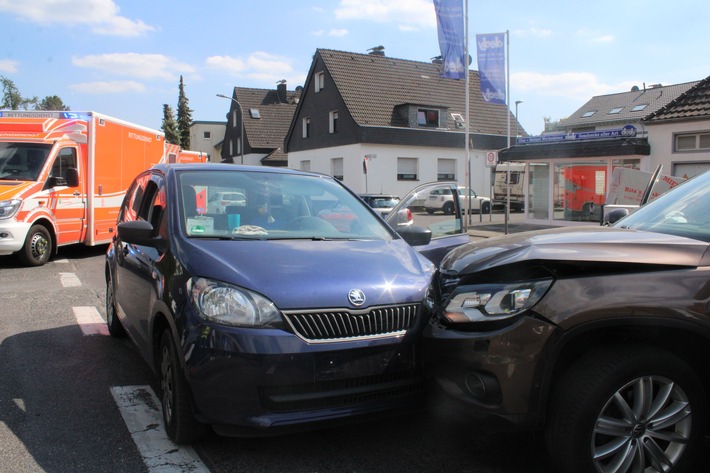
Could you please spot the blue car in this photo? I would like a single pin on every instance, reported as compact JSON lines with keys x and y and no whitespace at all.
{"x":296,"y":308}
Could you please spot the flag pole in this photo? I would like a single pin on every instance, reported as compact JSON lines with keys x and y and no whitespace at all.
{"x":466,"y":134}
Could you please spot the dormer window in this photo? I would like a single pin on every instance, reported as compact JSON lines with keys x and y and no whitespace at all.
{"x":427,"y":117}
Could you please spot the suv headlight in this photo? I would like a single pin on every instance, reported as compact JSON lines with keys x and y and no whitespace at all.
{"x":491,"y":302}
{"x":8,"y":208}
{"x":231,"y":305}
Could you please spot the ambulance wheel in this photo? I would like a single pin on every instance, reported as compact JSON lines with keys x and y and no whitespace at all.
{"x":37,"y":248}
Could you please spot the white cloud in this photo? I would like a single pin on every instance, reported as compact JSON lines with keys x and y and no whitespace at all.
{"x":114,"y":87}
{"x":571,"y":85}
{"x":143,"y":66}
{"x":101,"y":15}
{"x":535,"y":32}
{"x":8,"y":65}
{"x":410,"y":14}
{"x":257,"y":65}
{"x":338,"y":32}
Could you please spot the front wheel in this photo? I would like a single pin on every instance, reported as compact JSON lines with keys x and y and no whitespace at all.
{"x":627,"y":409}
{"x":448,"y":208}
{"x":180,"y":423}
{"x":486,"y":207}
{"x":37,"y":248}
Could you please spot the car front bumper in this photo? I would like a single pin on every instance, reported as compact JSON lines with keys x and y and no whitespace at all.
{"x":12,"y":235}
{"x":495,"y":375}
{"x":251,"y":382}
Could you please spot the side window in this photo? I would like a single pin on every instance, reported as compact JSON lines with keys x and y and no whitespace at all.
{"x":65,"y":159}
{"x":131,"y":204}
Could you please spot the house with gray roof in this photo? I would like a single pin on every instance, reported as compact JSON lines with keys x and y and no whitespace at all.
{"x":384,"y":125}
{"x":259,"y":118}
{"x":679,"y":132}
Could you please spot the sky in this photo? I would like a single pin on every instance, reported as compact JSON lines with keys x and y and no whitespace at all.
{"x":124,"y":58}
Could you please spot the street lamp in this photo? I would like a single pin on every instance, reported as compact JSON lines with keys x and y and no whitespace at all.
{"x":241,"y":120}
{"x":517,"y":102}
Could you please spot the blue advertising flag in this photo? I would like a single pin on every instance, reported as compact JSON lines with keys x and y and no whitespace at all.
{"x":490,"y":50}
{"x":449,"y":19}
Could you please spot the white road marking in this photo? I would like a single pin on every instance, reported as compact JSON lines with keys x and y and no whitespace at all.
{"x":62,"y":261}
{"x":69,"y":280}
{"x":140,"y":409}
{"x":90,"y":321}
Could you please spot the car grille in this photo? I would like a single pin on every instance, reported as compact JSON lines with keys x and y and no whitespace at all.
{"x":344,"y":324}
{"x":400,"y":386}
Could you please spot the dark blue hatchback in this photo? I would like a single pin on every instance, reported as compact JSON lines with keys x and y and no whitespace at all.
{"x":293,"y":307}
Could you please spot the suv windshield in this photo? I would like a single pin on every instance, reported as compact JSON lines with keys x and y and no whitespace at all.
{"x":272,"y":205}
{"x":683,"y":211}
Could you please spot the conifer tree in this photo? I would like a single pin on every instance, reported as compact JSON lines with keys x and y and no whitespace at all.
{"x":169,"y":126}
{"x":184,"y":117}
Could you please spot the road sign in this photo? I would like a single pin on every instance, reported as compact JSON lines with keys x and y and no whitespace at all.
{"x":491,"y":159}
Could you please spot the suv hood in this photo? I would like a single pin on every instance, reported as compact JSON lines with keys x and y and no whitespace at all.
{"x":592,"y":244}
{"x":304,"y":274}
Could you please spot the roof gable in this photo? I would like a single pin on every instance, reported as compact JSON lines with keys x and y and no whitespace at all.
{"x":274,"y":116}
{"x":373,"y":86}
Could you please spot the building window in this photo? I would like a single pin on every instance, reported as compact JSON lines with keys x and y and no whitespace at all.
{"x":427,"y":117}
{"x":254,"y":113}
{"x":306,"y":165}
{"x":407,"y":169}
{"x":234,"y":118}
{"x":306,"y":125}
{"x":615,"y":110}
{"x":207,"y":135}
{"x":638,"y":108}
{"x":446,"y":170}
{"x":692,"y":142}
{"x":336,"y":168}
{"x":588,"y":114}
{"x":333,"y":119}
{"x":320,"y":81}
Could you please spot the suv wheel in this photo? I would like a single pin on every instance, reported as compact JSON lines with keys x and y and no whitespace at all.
{"x":627,"y":409}
{"x":448,"y":208}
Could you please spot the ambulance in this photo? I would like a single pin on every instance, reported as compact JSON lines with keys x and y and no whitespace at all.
{"x":63,"y":176}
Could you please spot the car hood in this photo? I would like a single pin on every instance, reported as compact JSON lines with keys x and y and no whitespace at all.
{"x":305,"y":274}
{"x":591,"y":244}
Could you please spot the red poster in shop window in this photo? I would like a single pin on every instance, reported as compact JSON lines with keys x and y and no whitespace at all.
{"x":201,"y":198}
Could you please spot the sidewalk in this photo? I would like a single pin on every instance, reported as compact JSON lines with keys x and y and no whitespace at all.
{"x":494,"y":225}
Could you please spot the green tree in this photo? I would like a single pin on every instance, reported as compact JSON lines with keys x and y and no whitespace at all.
{"x":170,"y":125}
{"x":51,"y":102}
{"x":184,"y":117}
{"x":11,"y":97}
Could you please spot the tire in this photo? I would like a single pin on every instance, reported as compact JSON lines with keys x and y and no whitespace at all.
{"x":485,"y":207}
{"x":37,"y":248}
{"x":180,"y":423}
{"x":448,"y":208}
{"x":115,"y":328}
{"x":602,"y":413}
{"x":430,"y":211}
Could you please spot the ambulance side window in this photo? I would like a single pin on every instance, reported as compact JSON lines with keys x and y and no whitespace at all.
{"x":65,"y":160}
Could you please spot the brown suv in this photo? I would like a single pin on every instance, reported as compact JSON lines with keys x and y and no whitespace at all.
{"x":600,"y":336}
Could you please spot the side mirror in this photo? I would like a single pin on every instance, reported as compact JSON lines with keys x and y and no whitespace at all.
{"x":72,"y":177}
{"x":415,"y":235}
{"x":140,"y":232}
{"x":614,"y":216}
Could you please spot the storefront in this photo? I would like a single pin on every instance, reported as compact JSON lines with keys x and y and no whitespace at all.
{"x":567,"y":176}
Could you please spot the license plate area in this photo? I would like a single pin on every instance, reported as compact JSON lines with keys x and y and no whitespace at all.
{"x":362,"y":363}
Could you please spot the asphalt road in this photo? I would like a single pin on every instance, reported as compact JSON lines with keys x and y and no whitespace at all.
{"x":59,"y":413}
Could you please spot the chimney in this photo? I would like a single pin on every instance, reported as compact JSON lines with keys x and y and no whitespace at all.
{"x":281,"y":91}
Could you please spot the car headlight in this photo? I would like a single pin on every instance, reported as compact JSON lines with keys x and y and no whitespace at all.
{"x":230,"y":305}
{"x":491,"y":302}
{"x":8,"y":208}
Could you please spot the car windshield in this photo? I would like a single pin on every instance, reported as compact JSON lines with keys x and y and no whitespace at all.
{"x":383,"y":202}
{"x":683,"y":211}
{"x":266,"y":206}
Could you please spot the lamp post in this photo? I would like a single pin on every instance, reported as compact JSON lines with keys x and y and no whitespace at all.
{"x":241,"y":120}
{"x":517,"y":102}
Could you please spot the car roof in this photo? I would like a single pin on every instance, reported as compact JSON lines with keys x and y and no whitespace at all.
{"x":166,"y":168}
